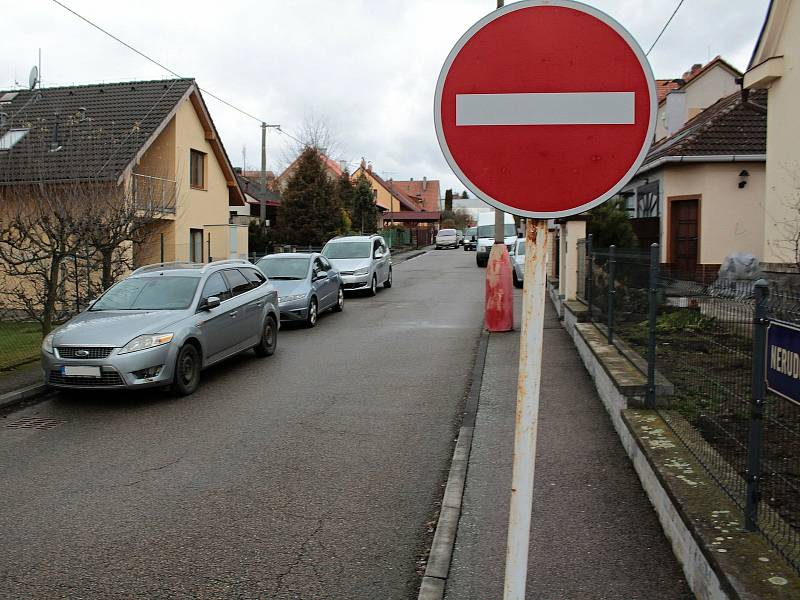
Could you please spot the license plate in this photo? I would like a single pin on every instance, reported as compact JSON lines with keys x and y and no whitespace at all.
{"x":80,"y":371}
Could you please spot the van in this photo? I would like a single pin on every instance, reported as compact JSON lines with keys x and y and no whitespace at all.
{"x":486,"y":235}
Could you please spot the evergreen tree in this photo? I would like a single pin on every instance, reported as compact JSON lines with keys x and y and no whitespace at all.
{"x":365,"y":212}
{"x":345,"y":191}
{"x":310,"y":210}
{"x":609,"y":224}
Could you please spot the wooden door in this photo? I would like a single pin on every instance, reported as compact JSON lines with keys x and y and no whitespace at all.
{"x":684,"y":235}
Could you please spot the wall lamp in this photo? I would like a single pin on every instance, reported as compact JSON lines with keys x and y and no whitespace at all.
{"x":743,"y":175}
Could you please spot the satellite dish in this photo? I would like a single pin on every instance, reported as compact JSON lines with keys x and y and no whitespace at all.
{"x":33,"y":78}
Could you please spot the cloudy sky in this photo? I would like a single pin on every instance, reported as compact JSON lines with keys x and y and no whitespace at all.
{"x":365,"y":68}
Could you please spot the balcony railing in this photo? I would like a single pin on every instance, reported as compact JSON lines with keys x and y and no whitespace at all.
{"x":155,"y":195}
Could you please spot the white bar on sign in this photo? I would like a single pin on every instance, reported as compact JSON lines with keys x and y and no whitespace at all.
{"x":573,"y":108}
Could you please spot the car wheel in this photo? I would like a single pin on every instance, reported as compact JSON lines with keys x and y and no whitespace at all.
{"x":339,"y":306}
{"x":388,"y":282}
{"x":269,"y":338}
{"x":481,"y":261}
{"x":465,"y":248}
{"x":312,"y":313}
{"x":517,"y":282}
{"x":373,"y":288}
{"x":187,"y":371}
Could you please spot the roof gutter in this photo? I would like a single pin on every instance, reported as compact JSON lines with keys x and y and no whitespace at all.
{"x":708,"y":158}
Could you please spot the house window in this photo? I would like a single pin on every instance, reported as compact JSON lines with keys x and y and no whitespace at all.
{"x":196,"y":245}
{"x":11,"y":137}
{"x":197,"y":169}
{"x":647,"y":200}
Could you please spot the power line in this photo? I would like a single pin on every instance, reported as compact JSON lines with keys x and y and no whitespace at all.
{"x":166,"y":68}
{"x":663,"y":29}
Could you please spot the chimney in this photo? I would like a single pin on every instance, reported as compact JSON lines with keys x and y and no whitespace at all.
{"x":411,"y":179}
{"x":424,"y":183}
{"x":369,"y":167}
{"x":676,"y":111}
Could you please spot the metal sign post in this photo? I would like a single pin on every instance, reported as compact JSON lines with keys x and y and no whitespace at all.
{"x":527,"y":416}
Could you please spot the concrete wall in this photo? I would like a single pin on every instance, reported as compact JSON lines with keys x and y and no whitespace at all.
{"x":571,"y":232}
{"x":731,"y":219}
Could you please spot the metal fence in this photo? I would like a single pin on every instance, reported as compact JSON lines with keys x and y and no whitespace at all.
{"x":709,"y":342}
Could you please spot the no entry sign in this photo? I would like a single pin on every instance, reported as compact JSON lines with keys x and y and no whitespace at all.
{"x":545,"y":108}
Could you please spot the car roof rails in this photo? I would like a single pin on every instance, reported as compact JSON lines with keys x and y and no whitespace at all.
{"x":175,"y":264}
{"x":227,"y":261}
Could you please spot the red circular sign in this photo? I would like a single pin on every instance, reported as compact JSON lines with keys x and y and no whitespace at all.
{"x":545,"y":108}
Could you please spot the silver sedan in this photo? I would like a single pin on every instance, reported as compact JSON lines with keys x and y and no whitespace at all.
{"x":307,"y":284}
{"x":517,"y":256}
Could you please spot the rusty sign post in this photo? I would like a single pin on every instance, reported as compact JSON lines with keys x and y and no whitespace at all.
{"x":544,"y":109}
{"x":527,"y":415}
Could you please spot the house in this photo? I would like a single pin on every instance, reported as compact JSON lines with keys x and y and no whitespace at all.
{"x":700,"y":191}
{"x":254,"y":193}
{"x":333,"y":170}
{"x":154,"y":138}
{"x":773,"y":78}
{"x":680,"y":100}
{"x":419,"y":210}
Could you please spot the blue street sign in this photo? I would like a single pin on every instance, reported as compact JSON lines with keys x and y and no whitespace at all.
{"x":783,"y":360}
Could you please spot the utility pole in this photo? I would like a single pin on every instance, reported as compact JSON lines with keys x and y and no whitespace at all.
{"x":263,"y":202}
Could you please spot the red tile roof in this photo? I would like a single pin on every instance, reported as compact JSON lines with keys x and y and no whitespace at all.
{"x":412,"y":215}
{"x":428,"y":197}
{"x":664,"y":86}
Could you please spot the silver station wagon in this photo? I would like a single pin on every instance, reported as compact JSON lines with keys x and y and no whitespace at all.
{"x":162,"y":325}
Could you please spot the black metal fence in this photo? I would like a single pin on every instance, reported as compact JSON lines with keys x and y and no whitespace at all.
{"x":709,"y":342}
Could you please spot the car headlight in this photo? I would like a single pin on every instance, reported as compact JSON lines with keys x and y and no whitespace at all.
{"x":47,"y":342}
{"x":292,"y":298}
{"x":143,"y":342}
{"x":361,"y":271}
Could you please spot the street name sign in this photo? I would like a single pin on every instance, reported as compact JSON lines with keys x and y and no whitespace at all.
{"x":545,"y":108}
{"x":783,"y":360}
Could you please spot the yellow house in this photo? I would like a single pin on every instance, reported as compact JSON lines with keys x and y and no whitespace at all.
{"x":387,"y":197}
{"x":154,"y":138}
{"x":775,"y":67}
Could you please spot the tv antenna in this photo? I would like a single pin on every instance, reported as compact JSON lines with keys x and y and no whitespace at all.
{"x":33,"y":78}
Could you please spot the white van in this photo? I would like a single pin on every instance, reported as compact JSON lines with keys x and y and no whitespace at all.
{"x":486,"y":235}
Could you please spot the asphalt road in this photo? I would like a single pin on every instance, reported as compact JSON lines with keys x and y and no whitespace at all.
{"x":310,"y":474}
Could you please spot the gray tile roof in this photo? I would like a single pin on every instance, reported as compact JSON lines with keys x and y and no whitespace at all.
{"x":83,"y":132}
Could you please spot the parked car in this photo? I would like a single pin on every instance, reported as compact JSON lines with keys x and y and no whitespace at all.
{"x":162,"y":325}
{"x":364,"y":262}
{"x":486,"y":235}
{"x":460,"y":235}
{"x":307,"y":285}
{"x":517,"y":256}
{"x":446,"y":238}
{"x":471,"y":239}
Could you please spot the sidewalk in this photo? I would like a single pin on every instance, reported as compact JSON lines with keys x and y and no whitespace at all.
{"x":20,"y":377}
{"x":594,"y":532}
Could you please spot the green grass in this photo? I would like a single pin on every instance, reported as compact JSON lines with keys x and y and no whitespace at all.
{"x":19,"y":343}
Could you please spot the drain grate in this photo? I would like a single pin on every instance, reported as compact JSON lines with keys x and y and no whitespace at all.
{"x":35,"y":423}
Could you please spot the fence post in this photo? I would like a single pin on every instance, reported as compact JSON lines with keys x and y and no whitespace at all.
{"x":650,"y":397}
{"x":612,"y":262}
{"x":589,"y":277}
{"x":758,"y":387}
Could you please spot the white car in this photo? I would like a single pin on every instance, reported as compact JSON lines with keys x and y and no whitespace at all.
{"x":517,"y":256}
{"x":486,"y":235}
{"x":447,"y":238}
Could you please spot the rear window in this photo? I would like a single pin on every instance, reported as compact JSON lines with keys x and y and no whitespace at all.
{"x":340,"y":250}
{"x":447,"y":232}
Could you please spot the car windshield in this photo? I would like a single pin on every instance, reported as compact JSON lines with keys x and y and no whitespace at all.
{"x":149,"y":293}
{"x":284,"y":268}
{"x":472,"y":231}
{"x":447,"y":232}
{"x":347,"y":250}
{"x":487,"y":231}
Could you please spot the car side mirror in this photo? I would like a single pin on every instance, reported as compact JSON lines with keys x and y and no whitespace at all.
{"x":321,"y":275}
{"x":210,"y":303}
{"x":378,"y":253}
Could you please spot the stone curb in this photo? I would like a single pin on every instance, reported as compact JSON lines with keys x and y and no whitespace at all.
{"x":17,"y":396}
{"x":438,"y":567}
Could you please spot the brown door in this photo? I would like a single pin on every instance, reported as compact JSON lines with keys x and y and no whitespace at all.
{"x":684,"y":235}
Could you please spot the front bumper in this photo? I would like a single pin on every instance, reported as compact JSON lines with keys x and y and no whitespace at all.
{"x":296,"y":310}
{"x":447,"y":244}
{"x":519,"y":269}
{"x":116,"y":371}
{"x":356,"y":282}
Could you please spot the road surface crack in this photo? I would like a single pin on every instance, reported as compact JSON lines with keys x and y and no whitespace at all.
{"x":301,"y":553}
{"x":164,"y":466}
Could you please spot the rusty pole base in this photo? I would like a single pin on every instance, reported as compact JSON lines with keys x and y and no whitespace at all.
{"x":499,"y":290}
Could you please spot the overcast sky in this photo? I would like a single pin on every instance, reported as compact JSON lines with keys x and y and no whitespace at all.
{"x":367,"y":68}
